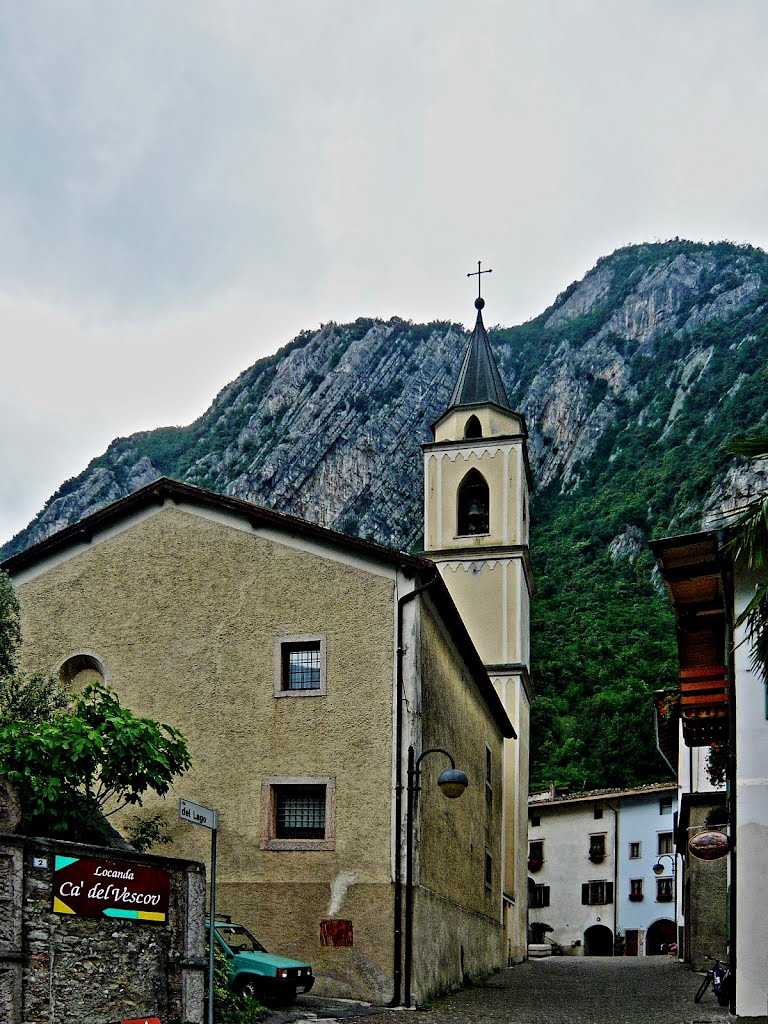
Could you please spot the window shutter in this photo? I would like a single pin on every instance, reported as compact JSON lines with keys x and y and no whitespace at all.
{"x":609,"y":892}
{"x":545,"y":896}
{"x":585,"y":893}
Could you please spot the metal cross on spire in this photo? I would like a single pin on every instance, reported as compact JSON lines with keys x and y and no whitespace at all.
{"x":477,"y":273}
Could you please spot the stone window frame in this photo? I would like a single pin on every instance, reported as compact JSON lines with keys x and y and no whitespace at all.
{"x":635,"y":843}
{"x":269,"y":785}
{"x":488,"y":870}
{"x":538,"y":896}
{"x":283,"y":642}
{"x":665,"y":889}
{"x":665,"y":843}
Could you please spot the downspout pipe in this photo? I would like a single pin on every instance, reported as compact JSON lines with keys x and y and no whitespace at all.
{"x":615,"y":873}
{"x":658,"y":743}
{"x":397,"y":943}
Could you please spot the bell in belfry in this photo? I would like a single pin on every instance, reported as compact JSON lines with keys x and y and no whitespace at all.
{"x":477,"y":517}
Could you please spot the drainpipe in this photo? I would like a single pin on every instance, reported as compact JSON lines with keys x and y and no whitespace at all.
{"x":397,"y":972}
{"x":615,"y":873}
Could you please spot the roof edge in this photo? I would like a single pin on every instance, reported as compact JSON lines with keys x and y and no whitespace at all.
{"x":166,"y":488}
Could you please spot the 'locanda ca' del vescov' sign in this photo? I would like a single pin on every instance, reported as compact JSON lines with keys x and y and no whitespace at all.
{"x":88,"y":887}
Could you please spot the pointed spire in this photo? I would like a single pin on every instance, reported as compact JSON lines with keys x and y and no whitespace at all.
{"x":479,"y":378}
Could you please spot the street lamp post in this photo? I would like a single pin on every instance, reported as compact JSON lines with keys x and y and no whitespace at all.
{"x":658,"y":869}
{"x":452,"y":783}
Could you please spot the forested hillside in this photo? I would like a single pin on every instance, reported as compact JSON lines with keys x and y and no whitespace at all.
{"x":630,"y":382}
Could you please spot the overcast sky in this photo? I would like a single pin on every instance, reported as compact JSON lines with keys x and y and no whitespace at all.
{"x":186,"y":185}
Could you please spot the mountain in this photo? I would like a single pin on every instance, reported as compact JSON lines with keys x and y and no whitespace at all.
{"x":630,"y":382}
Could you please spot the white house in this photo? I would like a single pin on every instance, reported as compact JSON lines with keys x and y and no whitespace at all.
{"x":590,"y":861}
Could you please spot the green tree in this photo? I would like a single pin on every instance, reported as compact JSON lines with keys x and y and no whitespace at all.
{"x":75,"y":761}
{"x":749,"y":541}
{"x":10,"y":629}
{"x":86,"y":764}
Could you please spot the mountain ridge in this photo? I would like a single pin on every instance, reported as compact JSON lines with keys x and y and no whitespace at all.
{"x":629,"y":382}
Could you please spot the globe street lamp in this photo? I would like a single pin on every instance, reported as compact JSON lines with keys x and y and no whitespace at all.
{"x":658,"y":867}
{"x":452,"y":783}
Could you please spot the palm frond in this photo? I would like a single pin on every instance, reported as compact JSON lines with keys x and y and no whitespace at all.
{"x":755,"y":618}
{"x":748,"y":542}
{"x":754,"y":447}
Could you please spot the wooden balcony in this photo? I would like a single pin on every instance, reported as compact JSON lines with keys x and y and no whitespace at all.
{"x":704,"y":704}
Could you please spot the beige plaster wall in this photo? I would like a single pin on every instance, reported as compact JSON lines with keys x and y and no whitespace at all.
{"x":184,"y":612}
{"x":492,"y":596}
{"x":500,"y":463}
{"x":516,"y":777}
{"x":454,"y":834}
{"x":494,"y":422}
{"x":457,"y":947}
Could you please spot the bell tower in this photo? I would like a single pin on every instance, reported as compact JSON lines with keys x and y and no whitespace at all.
{"x":477,"y":481}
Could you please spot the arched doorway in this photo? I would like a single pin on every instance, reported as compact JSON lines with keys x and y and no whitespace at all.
{"x":598,"y":941}
{"x":661,"y":933}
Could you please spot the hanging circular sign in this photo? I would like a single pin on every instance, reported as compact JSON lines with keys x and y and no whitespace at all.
{"x":709,"y":845}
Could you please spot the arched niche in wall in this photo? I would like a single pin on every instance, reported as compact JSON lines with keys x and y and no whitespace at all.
{"x":473,"y":505}
{"x":473,"y":427}
{"x":79,"y":669}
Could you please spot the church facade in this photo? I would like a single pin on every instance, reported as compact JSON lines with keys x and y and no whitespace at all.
{"x":304,"y":667}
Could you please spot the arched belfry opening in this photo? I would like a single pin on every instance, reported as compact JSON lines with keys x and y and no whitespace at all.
{"x":473,"y":428}
{"x":473,"y":505}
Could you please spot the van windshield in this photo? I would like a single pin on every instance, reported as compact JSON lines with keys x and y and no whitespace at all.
{"x":239,"y":939}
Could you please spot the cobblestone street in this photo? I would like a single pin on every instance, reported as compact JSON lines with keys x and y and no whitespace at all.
{"x":559,"y":990}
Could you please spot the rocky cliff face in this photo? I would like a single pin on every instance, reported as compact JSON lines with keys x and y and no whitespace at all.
{"x":329,"y":428}
{"x":630,"y":382}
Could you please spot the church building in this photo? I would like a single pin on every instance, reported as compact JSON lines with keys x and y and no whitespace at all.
{"x":324,"y":684}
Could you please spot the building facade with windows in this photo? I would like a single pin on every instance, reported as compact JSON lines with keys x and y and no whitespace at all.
{"x":303,"y":666}
{"x":590,"y":863}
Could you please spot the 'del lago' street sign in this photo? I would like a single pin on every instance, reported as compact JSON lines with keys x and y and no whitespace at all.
{"x":88,"y":887}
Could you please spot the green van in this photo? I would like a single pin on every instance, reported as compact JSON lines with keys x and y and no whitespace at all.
{"x":255,"y":973}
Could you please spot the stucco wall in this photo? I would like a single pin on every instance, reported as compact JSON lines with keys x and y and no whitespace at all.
{"x":640,"y":821}
{"x":565,"y":830}
{"x":493,"y":598}
{"x":501,"y":465}
{"x":184,"y":610}
{"x":454,"y":834}
{"x":516,"y":768}
{"x":61,"y":969}
{"x":751,"y":821}
{"x":706,"y":907}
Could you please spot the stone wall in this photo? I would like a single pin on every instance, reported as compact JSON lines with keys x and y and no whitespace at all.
{"x":63,"y":969}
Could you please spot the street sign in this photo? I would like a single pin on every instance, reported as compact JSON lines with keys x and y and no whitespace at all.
{"x":194,"y":814}
{"x":142,"y":1020}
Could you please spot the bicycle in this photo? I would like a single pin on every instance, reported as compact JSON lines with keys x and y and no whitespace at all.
{"x":719,"y":977}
